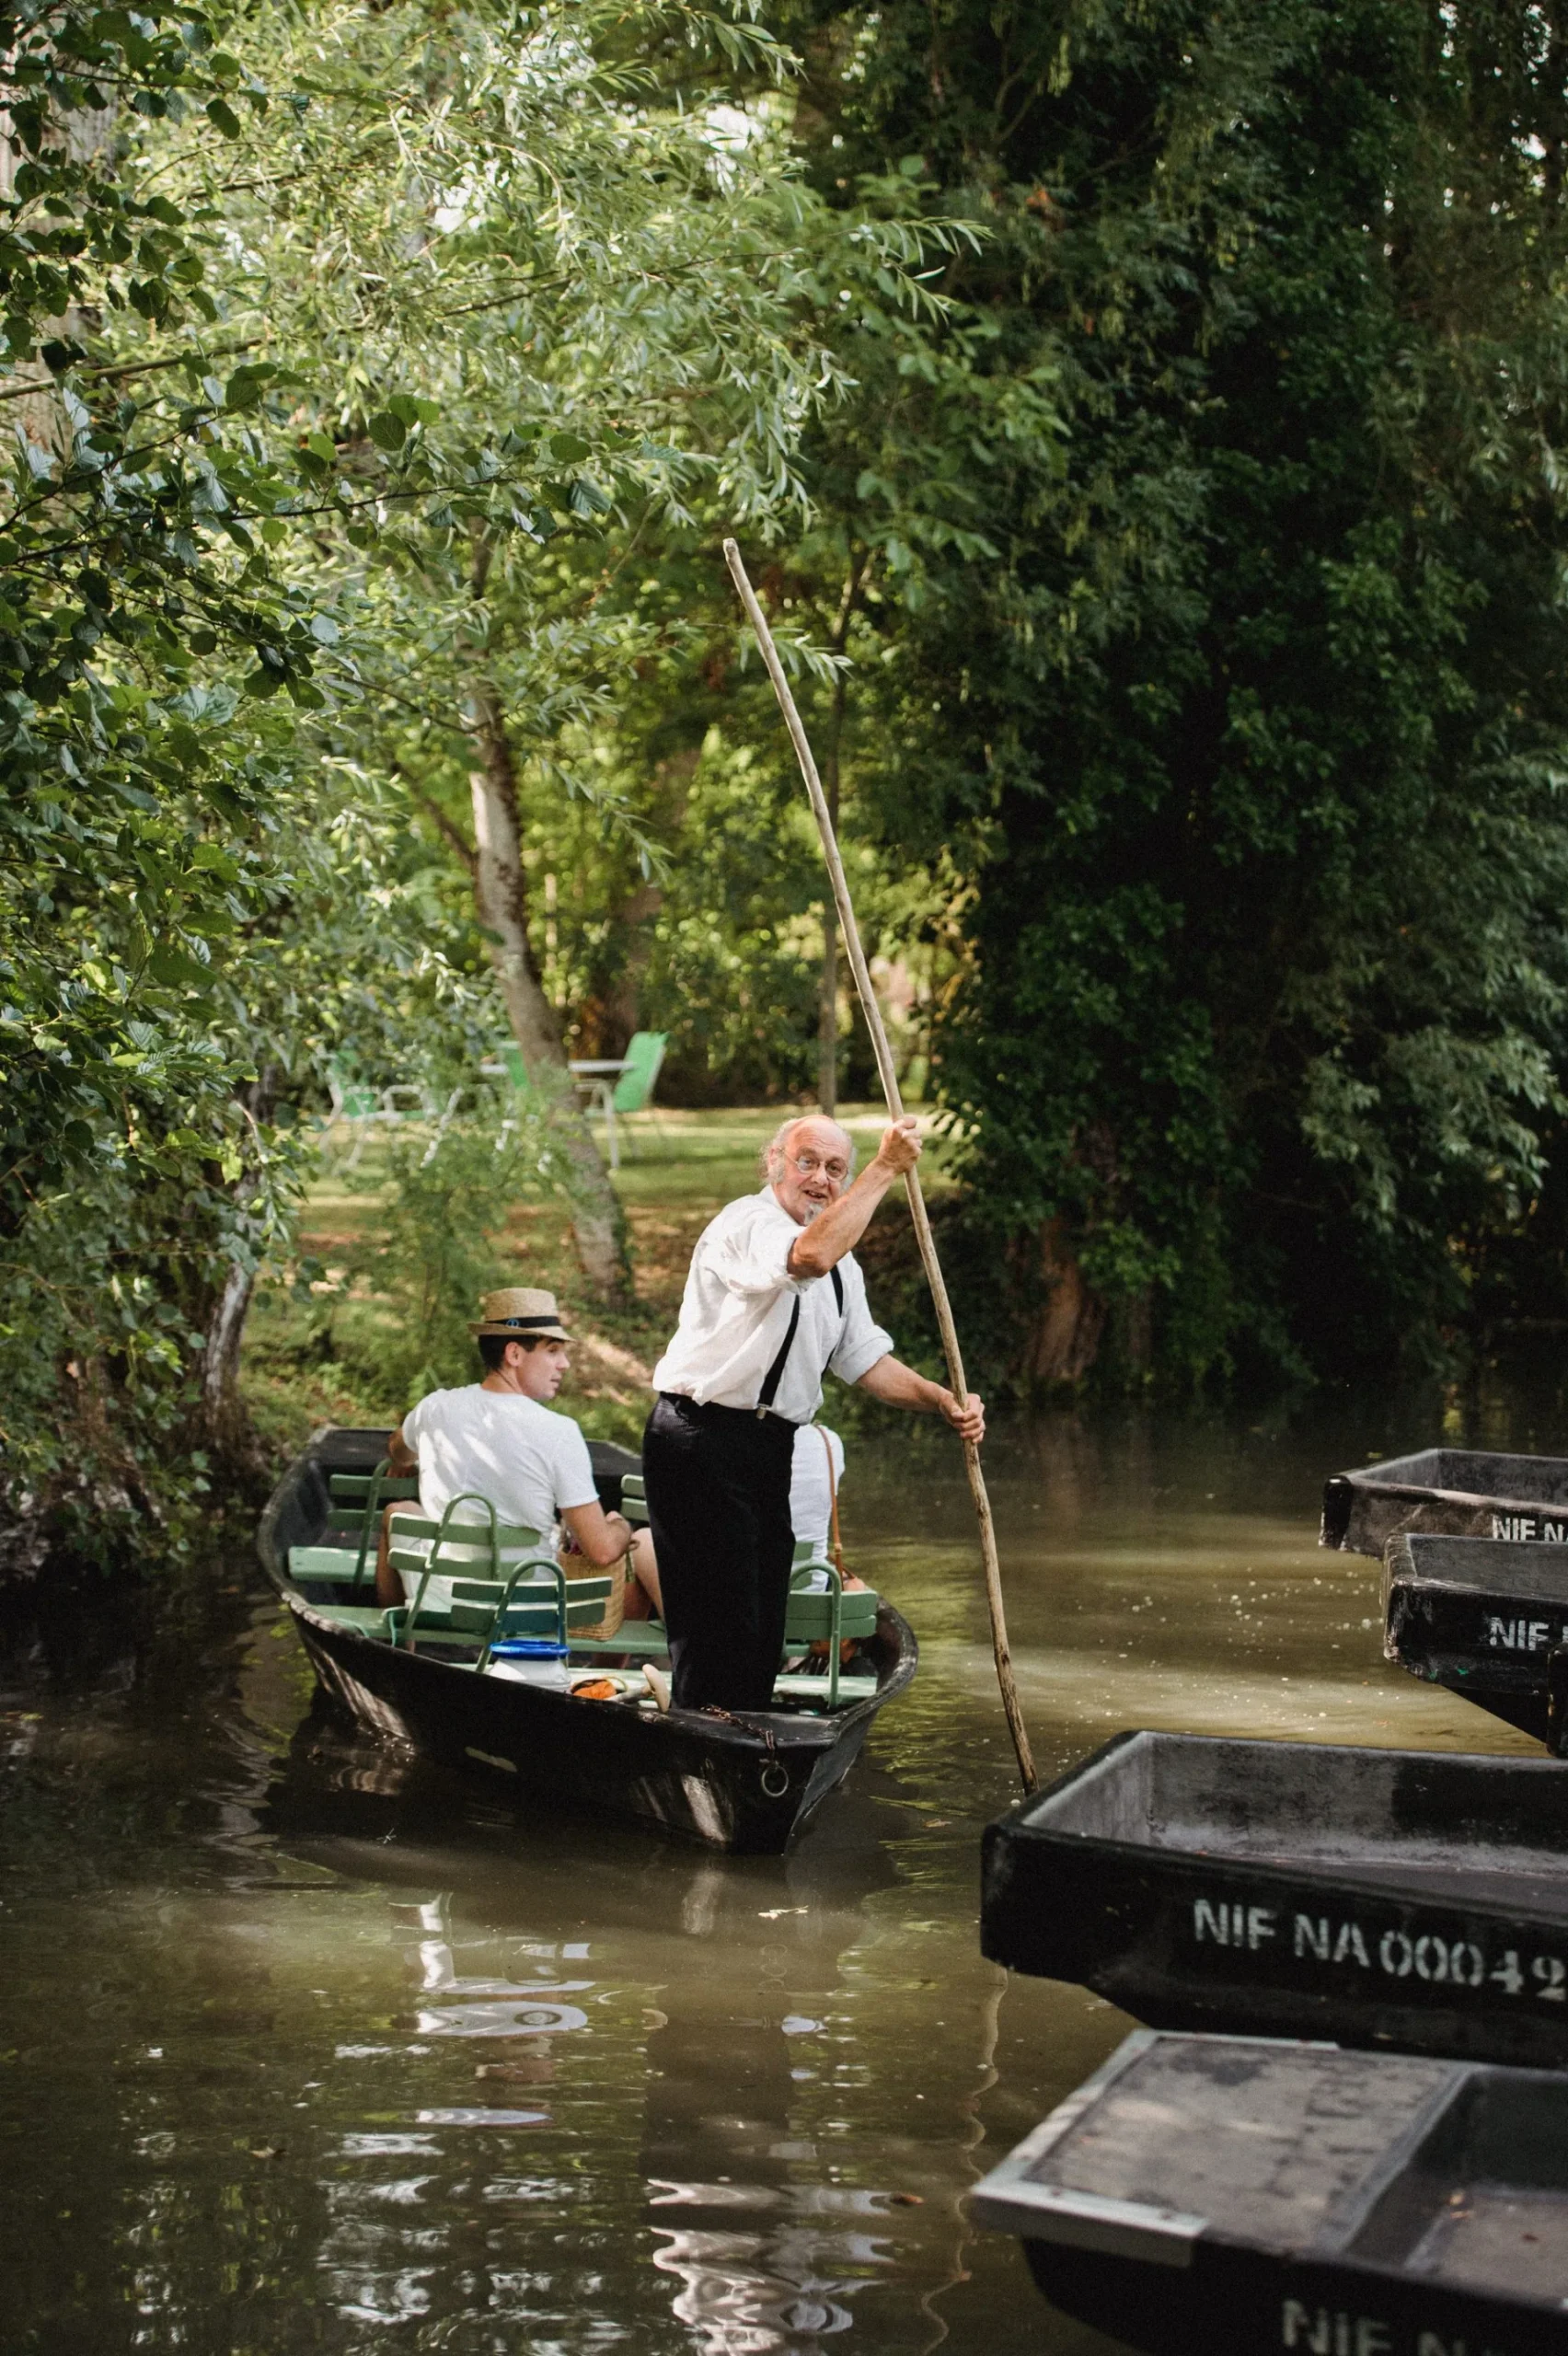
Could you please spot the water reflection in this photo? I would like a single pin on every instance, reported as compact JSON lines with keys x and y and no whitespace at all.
{"x":309,"y":2047}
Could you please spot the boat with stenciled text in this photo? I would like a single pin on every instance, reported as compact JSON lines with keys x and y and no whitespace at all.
{"x":1451,"y":1493}
{"x":1487,"y":1618}
{"x":1218,"y":2196}
{"x":501,"y":1677}
{"x":1378,"y":1898}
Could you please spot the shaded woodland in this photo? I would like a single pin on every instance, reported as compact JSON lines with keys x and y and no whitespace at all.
{"x":1145,"y":426}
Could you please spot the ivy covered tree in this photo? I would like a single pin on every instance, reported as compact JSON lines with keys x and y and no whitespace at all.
{"x":350,"y":371}
{"x":1246,"y":744}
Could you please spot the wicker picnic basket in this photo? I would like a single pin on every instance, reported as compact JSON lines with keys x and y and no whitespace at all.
{"x":578,"y":1566}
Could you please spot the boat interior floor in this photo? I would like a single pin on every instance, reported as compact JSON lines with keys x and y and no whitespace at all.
{"x":1440,"y":2171}
{"x":1483,"y":1567}
{"x":1496,"y":2237}
{"x":1469,"y":1829}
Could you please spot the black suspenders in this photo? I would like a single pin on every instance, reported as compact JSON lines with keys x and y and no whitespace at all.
{"x":775,"y":1375}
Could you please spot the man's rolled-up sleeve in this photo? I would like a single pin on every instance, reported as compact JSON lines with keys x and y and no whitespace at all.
{"x":863,"y":1341}
{"x":753,"y":1259}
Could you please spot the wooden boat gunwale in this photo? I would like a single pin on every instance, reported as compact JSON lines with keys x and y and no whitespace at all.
{"x":750,"y":1781}
{"x":1369,"y":1504}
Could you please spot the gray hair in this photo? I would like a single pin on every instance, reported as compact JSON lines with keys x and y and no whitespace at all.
{"x":773,"y":1151}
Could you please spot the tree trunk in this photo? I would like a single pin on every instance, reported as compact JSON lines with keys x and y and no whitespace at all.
{"x":225,"y":1424}
{"x":1066,"y":1342}
{"x":597,"y":1224}
{"x":226,"y":1420}
{"x":622,"y":1007}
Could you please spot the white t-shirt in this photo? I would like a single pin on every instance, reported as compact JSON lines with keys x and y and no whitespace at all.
{"x":810,"y":1495}
{"x":530,"y":1462}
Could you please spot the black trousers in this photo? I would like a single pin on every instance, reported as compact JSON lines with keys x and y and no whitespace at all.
{"x":718,"y":1486}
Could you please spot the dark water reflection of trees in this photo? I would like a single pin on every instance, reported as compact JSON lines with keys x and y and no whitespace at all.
{"x":308,"y":2047}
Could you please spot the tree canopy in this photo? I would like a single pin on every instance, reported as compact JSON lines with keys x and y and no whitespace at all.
{"x":1246,"y":745}
{"x":1144,"y":422}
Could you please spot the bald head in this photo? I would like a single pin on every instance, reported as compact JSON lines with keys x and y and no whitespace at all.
{"x":808,"y":1133}
{"x":826,"y":1145}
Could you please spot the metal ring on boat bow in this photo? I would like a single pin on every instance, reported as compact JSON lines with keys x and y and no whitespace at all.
{"x":775,"y":1779}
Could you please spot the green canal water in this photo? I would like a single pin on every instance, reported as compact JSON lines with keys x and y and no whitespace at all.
{"x":306,"y":2048}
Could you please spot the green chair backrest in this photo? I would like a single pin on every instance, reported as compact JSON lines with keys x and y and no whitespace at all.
{"x":644,"y":1055}
{"x":509,"y":1055}
{"x":505,"y":1580}
{"x":369,"y":1491}
{"x":634,"y":1499}
{"x":825,"y":1615}
{"x":357,"y":1098}
{"x":354,"y":1488}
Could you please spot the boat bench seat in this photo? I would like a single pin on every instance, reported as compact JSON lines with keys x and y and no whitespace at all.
{"x":364,"y":1619}
{"x":338,"y":1565}
{"x":345,"y":1556}
{"x":823,"y":1615}
{"x":823,"y":1689}
{"x":498,"y":1580}
{"x":354,"y":1488}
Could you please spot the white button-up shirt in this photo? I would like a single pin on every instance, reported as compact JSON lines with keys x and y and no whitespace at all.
{"x":735,"y":1313}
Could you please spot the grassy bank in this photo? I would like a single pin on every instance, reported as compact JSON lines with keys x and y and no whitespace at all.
{"x":312,"y":1355}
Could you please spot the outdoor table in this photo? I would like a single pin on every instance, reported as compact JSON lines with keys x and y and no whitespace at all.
{"x":600,"y":1088}
{"x":595,"y":1073}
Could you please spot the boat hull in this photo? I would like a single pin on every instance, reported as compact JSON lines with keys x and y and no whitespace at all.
{"x":1377,"y":1897}
{"x":1482,"y":1617}
{"x":723,"y":1784}
{"x":747,"y":1782}
{"x":1238,"y":2303}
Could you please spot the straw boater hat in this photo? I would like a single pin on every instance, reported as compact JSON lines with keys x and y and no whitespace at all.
{"x":520,"y":1313}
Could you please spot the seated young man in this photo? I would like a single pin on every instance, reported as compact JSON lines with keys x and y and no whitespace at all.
{"x":498,"y":1438}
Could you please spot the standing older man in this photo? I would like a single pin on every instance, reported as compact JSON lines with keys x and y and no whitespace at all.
{"x":774,"y":1298}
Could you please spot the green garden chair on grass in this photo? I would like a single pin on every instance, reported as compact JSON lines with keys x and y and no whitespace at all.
{"x":623,"y":1084}
{"x":644,"y":1060}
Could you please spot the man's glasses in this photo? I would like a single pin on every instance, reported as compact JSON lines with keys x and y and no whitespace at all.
{"x":807,"y":1164}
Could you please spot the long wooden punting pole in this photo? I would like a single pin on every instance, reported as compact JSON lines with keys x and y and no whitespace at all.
{"x":934,"y":1277}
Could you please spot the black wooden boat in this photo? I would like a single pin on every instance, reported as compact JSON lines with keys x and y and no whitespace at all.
{"x":1215,"y":2196}
{"x":1482,"y":1616}
{"x":1450,"y":1492}
{"x":743,"y":1782}
{"x":1412,"y":1898}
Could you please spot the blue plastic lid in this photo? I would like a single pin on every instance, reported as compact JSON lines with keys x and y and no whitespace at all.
{"x":528,"y":1648}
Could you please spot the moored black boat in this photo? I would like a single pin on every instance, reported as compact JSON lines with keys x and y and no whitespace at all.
{"x":1450,"y":1492}
{"x":1482,"y":1616}
{"x":737,"y":1783}
{"x":1215,"y":2196}
{"x":1411,"y":1899}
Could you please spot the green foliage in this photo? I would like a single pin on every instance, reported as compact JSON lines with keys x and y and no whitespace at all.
{"x":436,"y":1243}
{"x":360,"y":375}
{"x":1145,"y":424}
{"x":1248,"y":741}
{"x":202,"y":904}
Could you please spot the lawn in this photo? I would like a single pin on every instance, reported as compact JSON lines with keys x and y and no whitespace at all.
{"x":312,"y":1356}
